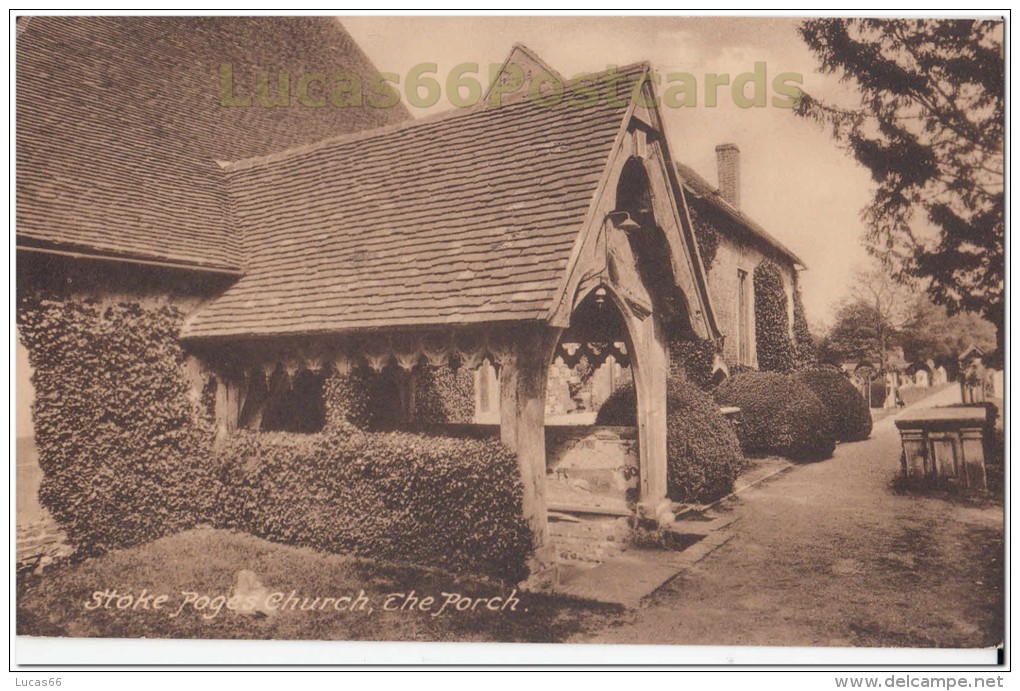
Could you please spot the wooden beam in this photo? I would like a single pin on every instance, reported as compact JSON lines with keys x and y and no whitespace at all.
{"x":229,"y":401}
{"x":407,"y":387}
{"x":524,"y":375}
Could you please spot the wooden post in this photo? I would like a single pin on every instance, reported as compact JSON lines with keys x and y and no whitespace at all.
{"x":407,"y":386}
{"x":524,"y":373}
{"x":229,"y":400}
{"x":650,"y":368}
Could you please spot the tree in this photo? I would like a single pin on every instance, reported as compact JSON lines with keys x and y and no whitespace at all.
{"x":932,"y":334}
{"x":858,"y":333}
{"x":930,"y":129}
{"x":869,"y":324}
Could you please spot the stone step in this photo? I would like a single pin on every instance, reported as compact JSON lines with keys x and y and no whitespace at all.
{"x":702,"y":524}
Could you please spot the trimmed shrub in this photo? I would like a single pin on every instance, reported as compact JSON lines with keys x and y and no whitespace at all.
{"x":780,"y":415}
{"x":806,"y":354}
{"x":124,"y":441}
{"x":703,"y":452}
{"x":771,"y":320}
{"x":620,"y":409}
{"x":415,"y":498}
{"x":848,"y":411}
{"x":694,"y":360}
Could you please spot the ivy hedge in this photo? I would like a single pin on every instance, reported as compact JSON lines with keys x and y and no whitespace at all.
{"x":125,"y":441}
{"x":707,"y":237}
{"x":703,"y":453}
{"x":442,"y":501}
{"x":694,"y":360}
{"x":847,"y":409}
{"x":779,"y":415}
{"x":806,"y":355}
{"x":123,"y":444}
{"x":771,"y":320}
{"x":444,"y":395}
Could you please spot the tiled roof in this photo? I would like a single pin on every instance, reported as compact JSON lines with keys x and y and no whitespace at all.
{"x":119,"y":126}
{"x":702,"y":189}
{"x":462,"y":219}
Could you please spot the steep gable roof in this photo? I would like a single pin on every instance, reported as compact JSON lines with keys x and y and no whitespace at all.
{"x":700,"y":188}
{"x":466,"y":218}
{"x":119,"y":125}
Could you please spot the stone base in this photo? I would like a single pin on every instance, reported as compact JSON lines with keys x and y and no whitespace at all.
{"x":588,"y":540}
{"x":543,"y":571}
{"x":658,"y":511}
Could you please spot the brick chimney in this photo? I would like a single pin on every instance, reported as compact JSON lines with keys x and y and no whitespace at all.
{"x":727,"y":160}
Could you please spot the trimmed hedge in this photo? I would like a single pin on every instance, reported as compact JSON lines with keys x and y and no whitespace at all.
{"x":780,"y":415}
{"x":124,"y":443}
{"x":693,"y":359}
{"x":771,"y":320}
{"x":447,"y":502}
{"x":703,"y":452}
{"x":125,"y":440}
{"x":848,"y":411}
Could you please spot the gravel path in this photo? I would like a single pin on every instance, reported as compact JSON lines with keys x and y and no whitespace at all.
{"x":829,"y":555}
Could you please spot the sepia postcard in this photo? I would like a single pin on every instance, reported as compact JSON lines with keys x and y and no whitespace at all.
{"x":683,"y":332}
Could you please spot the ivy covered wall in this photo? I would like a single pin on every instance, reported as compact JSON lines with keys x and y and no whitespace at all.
{"x":124,"y":423}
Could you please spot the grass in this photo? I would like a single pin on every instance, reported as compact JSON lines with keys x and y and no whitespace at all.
{"x":206,"y":561}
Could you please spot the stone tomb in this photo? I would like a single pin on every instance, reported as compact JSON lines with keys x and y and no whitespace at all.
{"x":946,"y":445}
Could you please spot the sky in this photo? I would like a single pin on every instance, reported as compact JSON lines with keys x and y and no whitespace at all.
{"x":795,"y":181}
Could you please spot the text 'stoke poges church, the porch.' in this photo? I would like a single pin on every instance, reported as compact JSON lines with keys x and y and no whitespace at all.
{"x":301,"y":240}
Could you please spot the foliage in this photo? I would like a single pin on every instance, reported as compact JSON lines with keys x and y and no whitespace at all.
{"x":931,"y":333}
{"x":856,"y":333}
{"x":779,"y":415}
{"x":620,"y":408}
{"x":848,"y":411}
{"x":702,"y":449}
{"x":879,"y":392}
{"x":707,"y":237}
{"x":444,"y":395}
{"x":371,"y":400}
{"x":694,"y":359}
{"x":803,"y":341}
{"x":348,"y":401}
{"x":930,"y":129}
{"x":123,"y":439}
{"x":125,"y":442}
{"x":771,"y":319}
{"x":413,"y":498}
{"x":703,"y":453}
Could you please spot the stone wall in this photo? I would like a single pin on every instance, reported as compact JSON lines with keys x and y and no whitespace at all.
{"x":732,"y":256}
{"x":591,"y":485}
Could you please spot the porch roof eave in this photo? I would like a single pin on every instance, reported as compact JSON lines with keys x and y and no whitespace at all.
{"x":461,"y":324}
